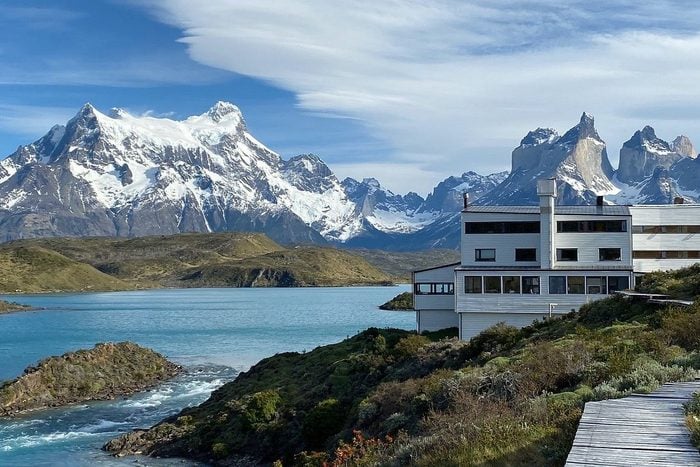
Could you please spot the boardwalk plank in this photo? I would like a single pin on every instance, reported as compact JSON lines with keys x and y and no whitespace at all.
{"x":639,"y":430}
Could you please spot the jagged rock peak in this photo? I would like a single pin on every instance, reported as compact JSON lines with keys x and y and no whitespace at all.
{"x":223,"y":109}
{"x":539,"y":136}
{"x":584,"y":129}
{"x":647,"y":140}
{"x":682,"y":145}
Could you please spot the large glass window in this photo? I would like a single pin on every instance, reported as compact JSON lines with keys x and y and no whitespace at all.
{"x":472,"y":284}
{"x":492,"y":284}
{"x":567,"y":254}
{"x":667,"y":254}
{"x":422,"y":289}
{"x":501,"y":227}
{"x":511,"y":284}
{"x":531,"y":284}
{"x":576,"y":284}
{"x":592,"y":226}
{"x":609,"y":254}
{"x":616,"y":283}
{"x":525,"y":254}
{"x":485,"y":254}
{"x":557,"y":284}
{"x":596,"y":285}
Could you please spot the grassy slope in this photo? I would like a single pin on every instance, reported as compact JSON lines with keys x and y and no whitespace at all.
{"x":30,"y":269}
{"x":400,"y":264}
{"x":206,"y":260}
{"x":507,"y":397}
{"x":104,"y":372}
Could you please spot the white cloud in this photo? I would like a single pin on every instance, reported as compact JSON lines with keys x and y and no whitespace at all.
{"x":442,"y":80}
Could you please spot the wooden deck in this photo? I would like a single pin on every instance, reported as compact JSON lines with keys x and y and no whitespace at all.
{"x":639,"y":430}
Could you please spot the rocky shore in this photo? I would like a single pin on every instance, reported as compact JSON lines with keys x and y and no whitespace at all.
{"x":104,"y":372}
{"x":11,"y":307}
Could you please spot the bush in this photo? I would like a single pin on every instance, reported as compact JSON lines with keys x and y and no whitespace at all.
{"x":682,"y":327}
{"x":219,"y":450}
{"x":323,"y":421}
{"x":497,"y":338}
{"x":410,"y":345}
{"x":692,"y":420}
{"x":260,"y":407}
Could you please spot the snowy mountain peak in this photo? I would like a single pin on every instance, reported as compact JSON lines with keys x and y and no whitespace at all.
{"x":584,"y":129}
{"x":223,"y":110}
{"x":642,"y":154}
{"x":539,"y":136}
{"x":683,"y":146}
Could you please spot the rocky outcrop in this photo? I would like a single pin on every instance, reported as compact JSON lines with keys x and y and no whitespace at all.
{"x":683,"y":146}
{"x":643,"y":153}
{"x":104,"y":372}
{"x":11,"y":307}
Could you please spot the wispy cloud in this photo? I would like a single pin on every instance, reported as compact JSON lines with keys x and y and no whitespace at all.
{"x":445,"y":79}
{"x":32,"y":121}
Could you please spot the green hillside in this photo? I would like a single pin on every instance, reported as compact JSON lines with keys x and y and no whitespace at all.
{"x":29,"y":269}
{"x":388,"y":397}
{"x":400,"y":264}
{"x":195,"y":260}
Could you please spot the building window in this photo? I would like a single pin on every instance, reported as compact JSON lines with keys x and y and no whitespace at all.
{"x":656,"y":229}
{"x":472,"y":284}
{"x":557,"y":284}
{"x":511,"y":284}
{"x":609,"y":254}
{"x":576,"y":285}
{"x":442,"y":288}
{"x":492,"y":284}
{"x":531,"y":284}
{"x":567,"y":254}
{"x":596,"y":285}
{"x":667,"y":254}
{"x":525,"y":254}
{"x":484,"y":254}
{"x":616,"y":283}
{"x":501,"y":227}
{"x":592,"y":226}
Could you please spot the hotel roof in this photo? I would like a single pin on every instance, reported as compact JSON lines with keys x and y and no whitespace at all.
{"x":607,"y":210}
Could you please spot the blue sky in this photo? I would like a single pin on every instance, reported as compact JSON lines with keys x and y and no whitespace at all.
{"x":406,"y":91}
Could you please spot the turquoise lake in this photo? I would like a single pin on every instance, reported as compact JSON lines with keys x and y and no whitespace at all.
{"x":214,"y":333}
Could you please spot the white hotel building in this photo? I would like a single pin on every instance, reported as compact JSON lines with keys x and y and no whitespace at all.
{"x":522,"y":263}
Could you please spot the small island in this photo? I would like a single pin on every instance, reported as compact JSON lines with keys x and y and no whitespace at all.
{"x":12,"y":307}
{"x":101,"y":373}
{"x":402,"y":302}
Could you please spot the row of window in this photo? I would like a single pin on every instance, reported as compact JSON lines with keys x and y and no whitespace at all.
{"x":592,"y":226}
{"x":592,"y":285}
{"x":667,"y":254}
{"x":534,"y":227}
{"x":563,"y":254}
{"x":442,"y":288}
{"x":655,"y":229}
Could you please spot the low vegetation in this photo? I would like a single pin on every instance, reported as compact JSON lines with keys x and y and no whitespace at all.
{"x":402,"y":302}
{"x":389,"y":397}
{"x":11,"y":307}
{"x":681,"y":284}
{"x":232,"y":259}
{"x":399,"y":264}
{"x":692,"y":418}
{"x":31,"y":268}
{"x":104,"y":372}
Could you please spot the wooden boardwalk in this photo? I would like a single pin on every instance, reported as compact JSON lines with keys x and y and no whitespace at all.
{"x":639,"y":430}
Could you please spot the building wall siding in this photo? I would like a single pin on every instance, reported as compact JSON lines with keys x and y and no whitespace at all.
{"x":435,"y":320}
{"x":471,"y":324}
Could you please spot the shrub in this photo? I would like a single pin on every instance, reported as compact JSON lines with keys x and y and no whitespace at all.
{"x":260,"y":407}
{"x":323,"y":421}
{"x":682,"y":327}
{"x":497,"y":338}
{"x":410,"y":345}
{"x":692,"y":420}
{"x":219,"y":450}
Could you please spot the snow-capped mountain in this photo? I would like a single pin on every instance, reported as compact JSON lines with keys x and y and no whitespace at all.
{"x":123,"y":175}
{"x":578,"y":160}
{"x":126,"y":175}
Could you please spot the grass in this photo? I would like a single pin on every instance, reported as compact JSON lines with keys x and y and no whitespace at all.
{"x":400,"y":264}
{"x":231,"y":259}
{"x":389,"y":397}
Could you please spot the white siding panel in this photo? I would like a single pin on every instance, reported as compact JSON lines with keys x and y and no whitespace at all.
{"x":472,"y":324}
{"x":434,"y":320}
{"x":434,"y":302}
{"x":442,"y":274}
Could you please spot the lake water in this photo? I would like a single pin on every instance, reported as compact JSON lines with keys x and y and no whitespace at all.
{"x":214,"y":333}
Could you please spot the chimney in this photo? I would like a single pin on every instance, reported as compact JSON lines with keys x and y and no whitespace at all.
{"x":547,"y":191}
{"x":465,"y":198}
{"x":599,"y":200}
{"x":678,"y":200}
